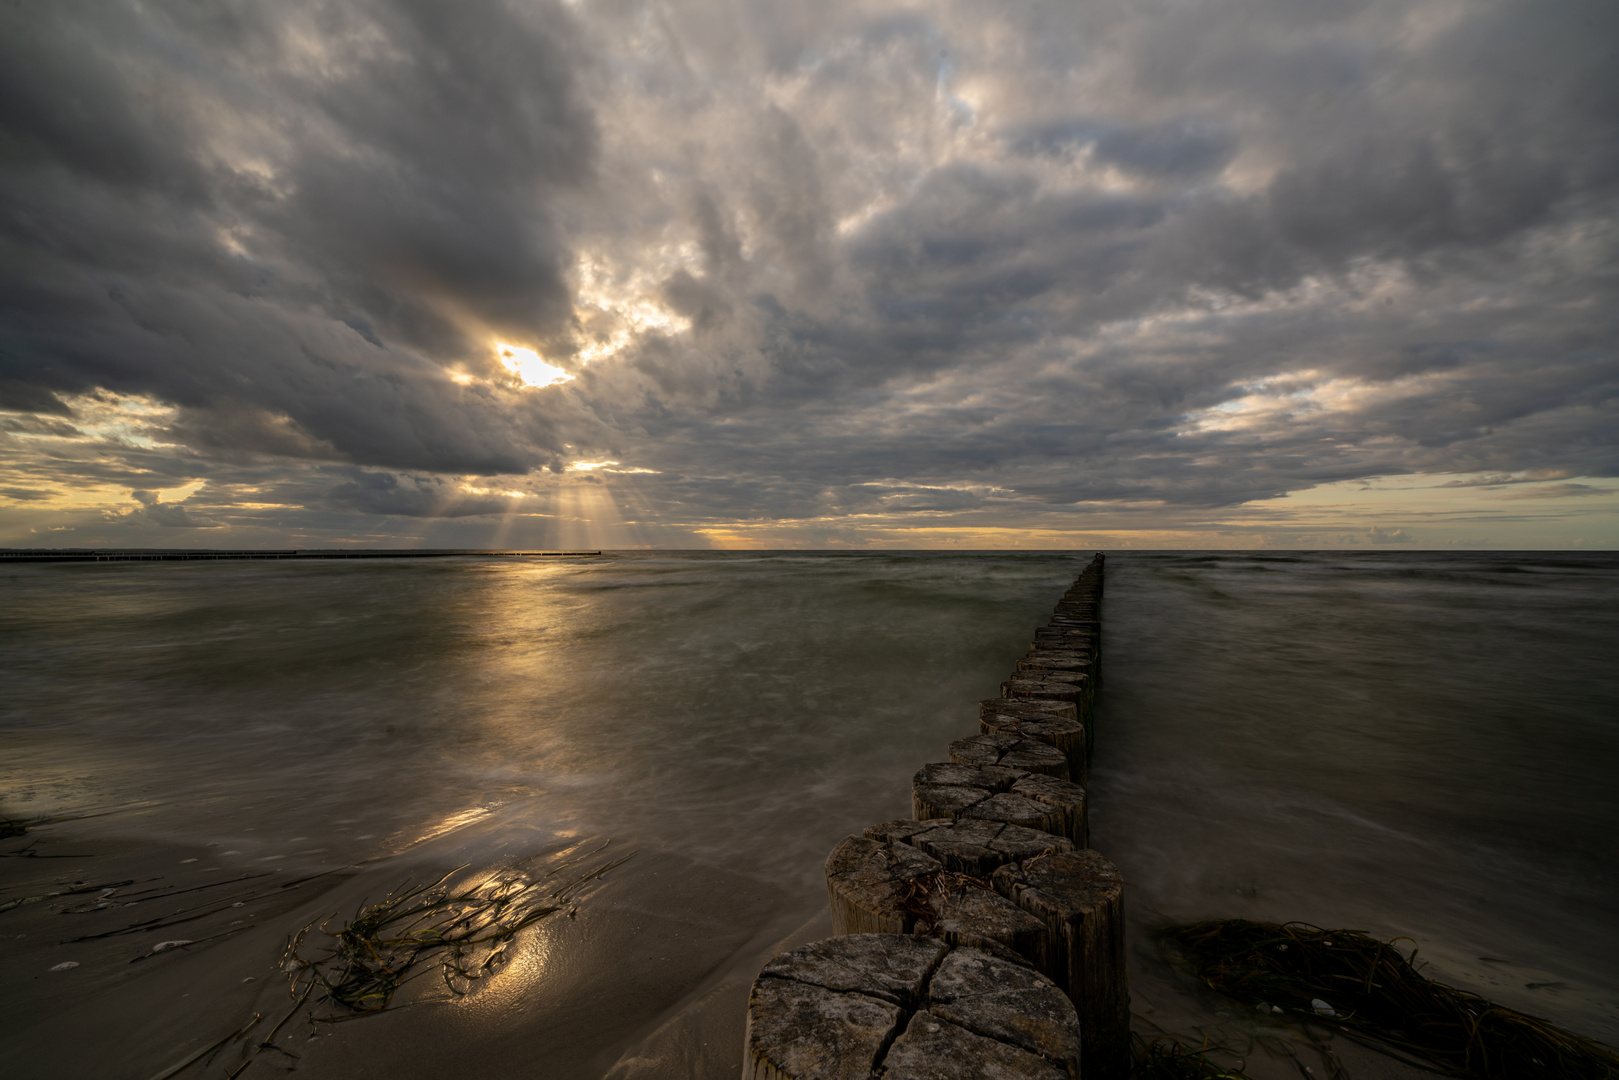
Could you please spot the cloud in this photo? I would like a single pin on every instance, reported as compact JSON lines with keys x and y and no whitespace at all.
{"x":302,"y":213}
{"x":1389,"y":536}
{"x":166,"y":515}
{"x":410,"y":496}
{"x":1558,"y":491}
{"x":1179,"y":148}
{"x":941,"y":261}
{"x":26,"y":494}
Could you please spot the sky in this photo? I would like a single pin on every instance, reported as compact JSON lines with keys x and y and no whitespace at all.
{"x":740,"y":273}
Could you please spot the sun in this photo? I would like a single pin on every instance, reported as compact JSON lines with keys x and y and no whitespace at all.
{"x":527,"y":365}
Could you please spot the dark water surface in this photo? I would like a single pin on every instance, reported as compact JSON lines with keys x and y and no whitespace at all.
{"x":1408,"y":743}
{"x":745,"y":708}
{"x":1423,"y":744}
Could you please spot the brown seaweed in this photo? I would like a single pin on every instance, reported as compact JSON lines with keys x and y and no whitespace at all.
{"x":1166,"y":1058}
{"x":1372,"y":992}
{"x":467,"y":927}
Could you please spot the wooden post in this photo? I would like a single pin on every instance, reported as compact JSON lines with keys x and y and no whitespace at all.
{"x":906,"y":1008}
{"x":1079,"y":896}
{"x":894,"y":888}
{"x":1057,"y":660}
{"x":870,"y":883}
{"x":833,"y":1008}
{"x":1053,"y":722}
{"x":992,"y":793}
{"x":935,"y":1049}
{"x":1008,"y":1002}
{"x":974,"y":848}
{"x":1083,"y":639}
{"x":1010,"y":752}
{"x":1049,"y":685}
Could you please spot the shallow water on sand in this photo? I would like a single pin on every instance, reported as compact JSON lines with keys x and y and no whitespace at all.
{"x":1406,"y":743}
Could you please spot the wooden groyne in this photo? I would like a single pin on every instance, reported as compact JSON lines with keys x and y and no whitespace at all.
{"x":203,"y":555}
{"x":982,"y":937}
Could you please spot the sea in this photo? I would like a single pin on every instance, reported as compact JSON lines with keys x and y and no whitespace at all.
{"x":1415,"y":744}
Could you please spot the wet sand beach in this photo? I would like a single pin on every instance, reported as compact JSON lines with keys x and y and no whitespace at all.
{"x":578,"y":993}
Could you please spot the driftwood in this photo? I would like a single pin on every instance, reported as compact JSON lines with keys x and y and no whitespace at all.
{"x":993,"y":793}
{"x":909,"y":1008}
{"x":974,"y":848}
{"x":895,"y":888}
{"x":1080,"y":897}
{"x":1012,"y":752}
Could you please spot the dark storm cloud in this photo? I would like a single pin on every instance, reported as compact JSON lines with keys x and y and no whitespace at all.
{"x":1406,"y":207}
{"x":952,"y":259}
{"x":296,"y":213}
{"x":409,"y":496}
{"x":1181,"y":148}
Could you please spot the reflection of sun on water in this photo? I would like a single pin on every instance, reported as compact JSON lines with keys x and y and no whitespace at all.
{"x":527,"y":365}
{"x":452,"y":823}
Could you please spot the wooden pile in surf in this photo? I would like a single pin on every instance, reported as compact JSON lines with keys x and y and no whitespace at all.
{"x":982,"y":937}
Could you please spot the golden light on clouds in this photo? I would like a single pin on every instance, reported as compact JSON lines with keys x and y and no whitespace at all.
{"x":529,"y":366}
{"x":510,"y":493}
{"x":617,"y":307}
{"x":606,"y":466}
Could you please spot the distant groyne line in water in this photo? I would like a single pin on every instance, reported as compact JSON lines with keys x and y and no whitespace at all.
{"x":196,"y":555}
{"x":981,"y":936}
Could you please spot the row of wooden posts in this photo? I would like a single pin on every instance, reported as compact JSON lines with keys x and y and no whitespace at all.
{"x":982,"y":937}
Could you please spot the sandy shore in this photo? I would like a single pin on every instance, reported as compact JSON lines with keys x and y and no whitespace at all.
{"x":648,"y":980}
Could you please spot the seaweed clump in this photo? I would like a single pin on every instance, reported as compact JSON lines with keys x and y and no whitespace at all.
{"x":1370,"y":991}
{"x":923,"y":896}
{"x":466,"y":927}
{"x":1166,"y":1058}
